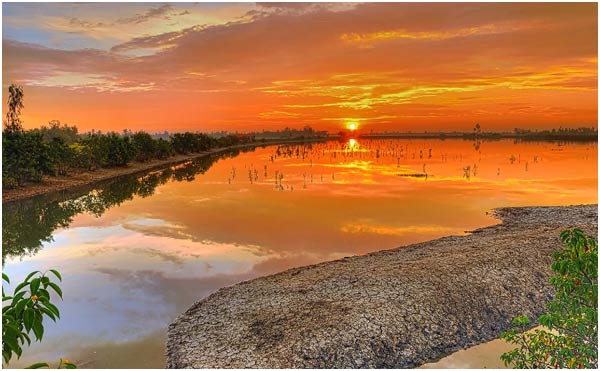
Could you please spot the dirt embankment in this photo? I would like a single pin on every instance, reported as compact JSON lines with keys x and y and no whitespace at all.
{"x":390,"y":309}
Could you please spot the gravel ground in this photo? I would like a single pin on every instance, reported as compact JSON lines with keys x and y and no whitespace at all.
{"x":390,"y":309}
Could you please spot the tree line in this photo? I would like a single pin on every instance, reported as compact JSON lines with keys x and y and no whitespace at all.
{"x":56,"y":149}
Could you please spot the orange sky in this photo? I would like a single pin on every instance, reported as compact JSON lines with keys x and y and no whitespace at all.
{"x":250,"y":66}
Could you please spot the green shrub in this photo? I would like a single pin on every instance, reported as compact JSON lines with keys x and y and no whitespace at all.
{"x":145,"y":146}
{"x":571,"y":340}
{"x":25,"y":311}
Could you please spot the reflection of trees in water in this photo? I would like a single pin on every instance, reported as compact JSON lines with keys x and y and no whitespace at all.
{"x":26,"y":225}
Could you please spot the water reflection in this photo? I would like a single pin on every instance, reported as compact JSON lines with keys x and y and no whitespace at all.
{"x":138,"y":251}
{"x":27,"y":225}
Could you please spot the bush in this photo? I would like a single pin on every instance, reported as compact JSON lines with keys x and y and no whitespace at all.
{"x":109,"y":150}
{"x":25,"y":312}
{"x":572,"y":317}
{"x":145,"y":147}
{"x":164,"y":149}
{"x":25,"y":157}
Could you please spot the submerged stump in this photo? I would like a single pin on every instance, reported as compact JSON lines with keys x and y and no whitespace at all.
{"x":389,"y":309}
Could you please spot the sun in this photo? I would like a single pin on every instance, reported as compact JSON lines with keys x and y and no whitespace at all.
{"x":352,"y":126}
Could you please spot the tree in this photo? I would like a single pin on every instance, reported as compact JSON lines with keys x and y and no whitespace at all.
{"x":163,"y":149}
{"x":68,"y":134}
{"x":145,"y":147}
{"x":572,"y":318}
{"x":15,"y":104}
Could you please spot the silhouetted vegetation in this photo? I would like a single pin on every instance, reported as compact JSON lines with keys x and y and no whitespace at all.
{"x":563,"y":134}
{"x":583,"y":134}
{"x":28,"y":155}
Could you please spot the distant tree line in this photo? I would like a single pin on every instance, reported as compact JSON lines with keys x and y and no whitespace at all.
{"x":566,"y":134}
{"x":56,"y":149}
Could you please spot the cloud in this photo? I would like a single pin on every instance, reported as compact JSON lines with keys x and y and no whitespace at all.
{"x":163,"y":11}
{"x":165,"y":40}
{"x":85,"y":24}
{"x":305,"y":62}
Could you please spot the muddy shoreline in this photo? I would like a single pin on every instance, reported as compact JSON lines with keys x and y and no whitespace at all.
{"x":396,"y":308}
{"x":84,"y":178}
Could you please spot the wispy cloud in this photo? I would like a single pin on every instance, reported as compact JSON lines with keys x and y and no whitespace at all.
{"x":410,"y":65}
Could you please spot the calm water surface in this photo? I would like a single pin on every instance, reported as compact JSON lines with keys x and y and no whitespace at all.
{"x":136,"y":252}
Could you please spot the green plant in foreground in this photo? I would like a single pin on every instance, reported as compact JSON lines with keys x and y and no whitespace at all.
{"x":24,"y":314}
{"x":572,"y":318}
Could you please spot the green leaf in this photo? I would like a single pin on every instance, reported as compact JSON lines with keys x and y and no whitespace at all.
{"x":30,"y":275}
{"x":48,"y":313}
{"x":38,"y":365}
{"x":56,"y":288}
{"x":56,"y":274}
{"x":6,"y":355}
{"x":5,"y":277}
{"x":38,"y":328}
{"x":28,"y":317}
{"x":20,"y":286}
{"x":70,"y":365}
{"x":20,"y":306}
{"x":27,"y":338}
{"x":35,"y":284}
{"x":11,"y":342}
{"x":52,"y":308}
{"x":43,"y":293}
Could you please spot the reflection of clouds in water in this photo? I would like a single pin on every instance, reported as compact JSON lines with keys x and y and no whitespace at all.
{"x":131,"y":271}
{"x":165,"y":230}
{"x":399,"y":231}
{"x":88,"y":352}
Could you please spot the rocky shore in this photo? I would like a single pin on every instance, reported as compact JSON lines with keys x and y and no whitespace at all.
{"x":397,"y":308}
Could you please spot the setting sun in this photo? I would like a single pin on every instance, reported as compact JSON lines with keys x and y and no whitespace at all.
{"x":300,"y":185}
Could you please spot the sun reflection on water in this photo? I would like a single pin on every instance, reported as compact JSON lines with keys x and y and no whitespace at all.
{"x":192,"y":230}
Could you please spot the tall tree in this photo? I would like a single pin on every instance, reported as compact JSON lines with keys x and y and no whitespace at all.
{"x":15,"y":104}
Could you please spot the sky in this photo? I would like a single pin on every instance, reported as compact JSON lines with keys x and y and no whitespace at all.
{"x":253,"y":66}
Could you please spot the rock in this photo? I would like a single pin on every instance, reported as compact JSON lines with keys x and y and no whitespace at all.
{"x":390,"y":309}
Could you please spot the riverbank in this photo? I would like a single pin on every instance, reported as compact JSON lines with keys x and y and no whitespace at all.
{"x":390,"y":309}
{"x":51,"y":184}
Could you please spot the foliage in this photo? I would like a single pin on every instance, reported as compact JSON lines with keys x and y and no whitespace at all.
{"x":572,"y":318}
{"x":81,"y":156}
{"x":25,"y":311}
{"x":184,"y":143}
{"x":145,"y":147}
{"x":60,"y":156}
{"x":164,"y":149}
{"x":55,"y":149}
{"x":15,"y":104}
{"x":108,"y":150}
{"x":67,"y":134}
{"x":25,"y":157}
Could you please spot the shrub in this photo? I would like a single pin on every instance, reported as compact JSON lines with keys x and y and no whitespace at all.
{"x":24,"y":314}
{"x":145,"y":147}
{"x":572,"y":318}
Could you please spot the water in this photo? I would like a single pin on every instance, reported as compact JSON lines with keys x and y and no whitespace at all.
{"x":136,"y":252}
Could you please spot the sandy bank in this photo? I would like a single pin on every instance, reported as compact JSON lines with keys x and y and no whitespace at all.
{"x":395,"y":308}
